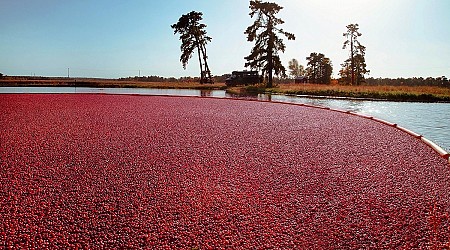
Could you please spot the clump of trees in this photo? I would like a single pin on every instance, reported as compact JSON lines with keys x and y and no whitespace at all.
{"x":193,"y":37}
{"x":319,"y":68}
{"x":268,"y":43}
{"x":296,"y":69}
{"x":267,"y":36}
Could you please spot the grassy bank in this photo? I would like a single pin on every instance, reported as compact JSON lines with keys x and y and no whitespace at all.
{"x":392,"y":93}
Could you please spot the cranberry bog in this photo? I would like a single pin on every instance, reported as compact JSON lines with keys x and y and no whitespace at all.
{"x":122,"y":171}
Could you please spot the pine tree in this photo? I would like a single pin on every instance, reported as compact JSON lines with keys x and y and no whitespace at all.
{"x":319,"y":68}
{"x":354,"y":68}
{"x":193,"y":37}
{"x":264,"y":32}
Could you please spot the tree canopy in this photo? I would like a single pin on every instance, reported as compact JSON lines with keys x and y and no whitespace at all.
{"x":359,"y":70}
{"x":319,"y":68}
{"x":354,"y":68}
{"x":296,"y":69}
{"x":193,"y":37}
{"x":265,"y":33}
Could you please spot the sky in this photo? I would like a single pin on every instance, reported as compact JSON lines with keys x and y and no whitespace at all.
{"x":116,"y":38}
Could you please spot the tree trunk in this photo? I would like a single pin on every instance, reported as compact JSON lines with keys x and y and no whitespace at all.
{"x":205,"y":57}
{"x":199,"y":58}
{"x":269,"y":54}
{"x":353,"y":60}
{"x":270,"y":68}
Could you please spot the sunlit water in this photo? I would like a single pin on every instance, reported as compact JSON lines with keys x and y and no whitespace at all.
{"x":431,"y":120}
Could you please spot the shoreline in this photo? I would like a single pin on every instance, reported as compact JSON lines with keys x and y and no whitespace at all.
{"x":363,"y":93}
{"x":430,"y":94}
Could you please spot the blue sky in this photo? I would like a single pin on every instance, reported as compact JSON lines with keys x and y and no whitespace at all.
{"x":112,"y":38}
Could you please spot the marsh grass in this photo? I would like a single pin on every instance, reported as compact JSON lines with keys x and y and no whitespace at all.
{"x":395,"y":93}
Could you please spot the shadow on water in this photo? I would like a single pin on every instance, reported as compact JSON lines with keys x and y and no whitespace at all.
{"x":249,"y":96}
{"x":206,"y":93}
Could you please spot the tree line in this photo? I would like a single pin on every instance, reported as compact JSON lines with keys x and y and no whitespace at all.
{"x":320,"y":68}
{"x":413,"y":81}
{"x":267,"y":36}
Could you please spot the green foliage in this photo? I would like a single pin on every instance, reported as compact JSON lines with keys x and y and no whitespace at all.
{"x":354,"y":68}
{"x":352,"y":35}
{"x":359,"y":69}
{"x":319,"y":68}
{"x":193,"y":37}
{"x":265,"y":33}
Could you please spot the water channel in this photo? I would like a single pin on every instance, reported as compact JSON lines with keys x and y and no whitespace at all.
{"x":431,"y":120}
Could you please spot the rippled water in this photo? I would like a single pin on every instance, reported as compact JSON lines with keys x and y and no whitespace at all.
{"x":431,"y":120}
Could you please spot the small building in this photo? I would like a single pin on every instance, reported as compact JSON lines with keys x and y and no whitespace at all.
{"x":301,"y":79}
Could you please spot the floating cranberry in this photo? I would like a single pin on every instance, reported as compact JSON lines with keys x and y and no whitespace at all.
{"x":115,"y":171}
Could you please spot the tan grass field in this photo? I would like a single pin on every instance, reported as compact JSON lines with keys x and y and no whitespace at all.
{"x":107,"y":83}
{"x":367,"y":89}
